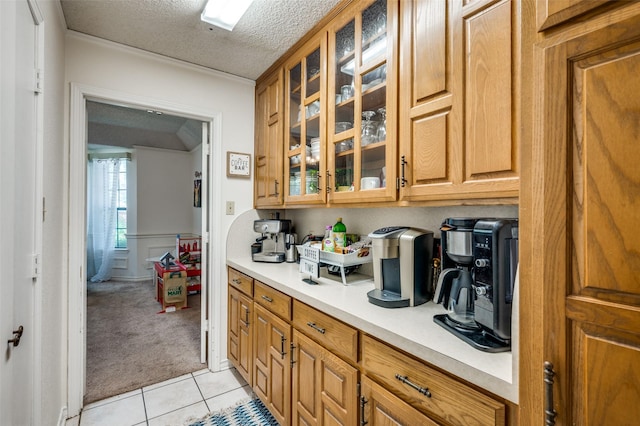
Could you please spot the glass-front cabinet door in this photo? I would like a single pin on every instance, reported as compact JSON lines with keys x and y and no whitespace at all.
{"x":362,"y":98}
{"x":305,"y":136}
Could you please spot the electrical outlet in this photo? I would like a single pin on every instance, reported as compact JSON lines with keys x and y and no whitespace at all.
{"x":231,"y":207}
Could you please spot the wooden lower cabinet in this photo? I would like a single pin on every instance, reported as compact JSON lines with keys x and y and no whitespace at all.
{"x":325,"y":388}
{"x":240,"y":336}
{"x":442,"y":397}
{"x":311,"y":369}
{"x":272,"y":367}
{"x":379,"y":407}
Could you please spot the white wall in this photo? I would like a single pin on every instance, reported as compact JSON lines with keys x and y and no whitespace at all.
{"x":107,"y":66}
{"x":54,"y":289}
{"x":160,"y":205}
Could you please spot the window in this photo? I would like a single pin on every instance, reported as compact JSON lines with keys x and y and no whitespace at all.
{"x":121,"y":205}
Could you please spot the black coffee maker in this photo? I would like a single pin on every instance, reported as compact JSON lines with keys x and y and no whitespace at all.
{"x":479,"y":258}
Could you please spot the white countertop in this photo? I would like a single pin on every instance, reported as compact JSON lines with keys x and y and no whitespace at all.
{"x":411,"y":329}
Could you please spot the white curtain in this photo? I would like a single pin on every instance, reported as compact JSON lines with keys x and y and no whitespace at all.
{"x":102,"y":181}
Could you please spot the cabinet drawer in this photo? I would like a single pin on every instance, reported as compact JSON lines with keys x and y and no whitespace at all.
{"x":242,"y":282}
{"x":329,"y":332}
{"x":429,"y":390}
{"x":277,"y":302}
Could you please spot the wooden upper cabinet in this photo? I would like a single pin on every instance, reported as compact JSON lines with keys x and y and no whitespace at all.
{"x":554,"y":12}
{"x":458,"y":132}
{"x":305,"y":135}
{"x":268,"y":143}
{"x":584,"y":163}
{"x":362,"y":103}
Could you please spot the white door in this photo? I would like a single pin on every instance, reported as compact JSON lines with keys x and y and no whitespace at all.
{"x":19,"y":189}
{"x":204,"y":249}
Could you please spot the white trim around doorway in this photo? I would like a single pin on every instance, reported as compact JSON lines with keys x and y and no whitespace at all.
{"x":76,"y":326}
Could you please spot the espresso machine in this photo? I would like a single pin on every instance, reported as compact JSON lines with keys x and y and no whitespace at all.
{"x":402,"y":272}
{"x":271,"y":246}
{"x":479,"y":258}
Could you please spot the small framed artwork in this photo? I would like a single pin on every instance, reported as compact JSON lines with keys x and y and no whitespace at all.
{"x":238,"y":164}
{"x":197,"y":193}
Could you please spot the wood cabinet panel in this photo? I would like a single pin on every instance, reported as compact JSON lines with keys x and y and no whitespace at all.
{"x":429,"y":65}
{"x":277,"y":302}
{"x":442,"y":397}
{"x":458,"y":127}
{"x":268,"y":149}
{"x":379,"y":407}
{"x":240,"y":342}
{"x":329,"y":332}
{"x":272,"y":371}
{"x":488,"y":101}
{"x":324,"y":386}
{"x":585,"y":183}
{"x":429,"y":155}
{"x":554,"y":12}
{"x":242,"y":282}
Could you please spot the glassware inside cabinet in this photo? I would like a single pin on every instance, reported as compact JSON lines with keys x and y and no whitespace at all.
{"x":345,"y":69}
{"x":344,"y":166}
{"x":374,"y":31}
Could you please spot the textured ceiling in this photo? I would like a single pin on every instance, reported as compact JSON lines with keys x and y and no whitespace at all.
{"x":118,"y":126}
{"x":173,"y":28}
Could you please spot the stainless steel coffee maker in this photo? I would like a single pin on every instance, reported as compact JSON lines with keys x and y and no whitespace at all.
{"x":272,"y":245}
{"x":479,"y":258}
{"x":402,"y":272}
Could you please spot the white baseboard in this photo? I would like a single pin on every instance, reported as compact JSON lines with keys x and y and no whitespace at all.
{"x":62,"y":418}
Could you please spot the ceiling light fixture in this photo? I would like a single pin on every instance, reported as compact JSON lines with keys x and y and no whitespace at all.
{"x":224,"y":13}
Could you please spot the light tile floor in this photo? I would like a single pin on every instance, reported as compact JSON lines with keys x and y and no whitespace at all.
{"x":174,"y":402}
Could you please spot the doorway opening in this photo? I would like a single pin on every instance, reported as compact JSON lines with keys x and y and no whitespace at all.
{"x":210,"y":176}
{"x":143,"y":172}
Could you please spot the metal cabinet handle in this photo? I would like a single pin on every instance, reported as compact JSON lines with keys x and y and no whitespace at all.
{"x":291,"y":360}
{"x":404,"y":379}
{"x":246,"y":317}
{"x":549,"y":412}
{"x":236,"y":280}
{"x":276,"y":182}
{"x":267,"y":298}
{"x":403,"y":162}
{"x":328,"y":182}
{"x":316,"y":328}
{"x":282,"y":351}
{"x":363,"y":402}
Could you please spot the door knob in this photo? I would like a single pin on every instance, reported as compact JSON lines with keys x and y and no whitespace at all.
{"x":17,"y":334}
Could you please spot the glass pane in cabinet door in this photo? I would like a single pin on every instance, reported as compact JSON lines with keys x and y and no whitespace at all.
{"x":313,"y":73}
{"x":374,"y":31}
{"x":312,"y":164}
{"x":373,"y":128}
{"x":344,"y":77}
{"x":344,"y":163}
{"x":295,"y":104}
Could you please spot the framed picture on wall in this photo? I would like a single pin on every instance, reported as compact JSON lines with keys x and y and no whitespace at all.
{"x":197,"y":193}
{"x":238,"y":164}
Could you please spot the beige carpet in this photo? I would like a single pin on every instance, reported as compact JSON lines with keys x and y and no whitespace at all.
{"x":131,"y":345}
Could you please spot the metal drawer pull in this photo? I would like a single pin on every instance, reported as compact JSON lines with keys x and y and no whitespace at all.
{"x":282,"y":342}
{"x":316,"y":328}
{"x":291,"y":360}
{"x":549,"y":413}
{"x":363,"y":401}
{"x":406,"y":381}
{"x":237,"y":281}
{"x":267,"y":298}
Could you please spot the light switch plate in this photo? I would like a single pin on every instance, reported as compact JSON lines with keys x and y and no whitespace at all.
{"x":231,"y":207}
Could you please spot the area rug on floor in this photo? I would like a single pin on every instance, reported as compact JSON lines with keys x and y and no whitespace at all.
{"x":248,"y":413}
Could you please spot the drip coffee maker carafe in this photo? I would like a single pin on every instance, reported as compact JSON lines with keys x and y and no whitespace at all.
{"x":455,"y":284}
